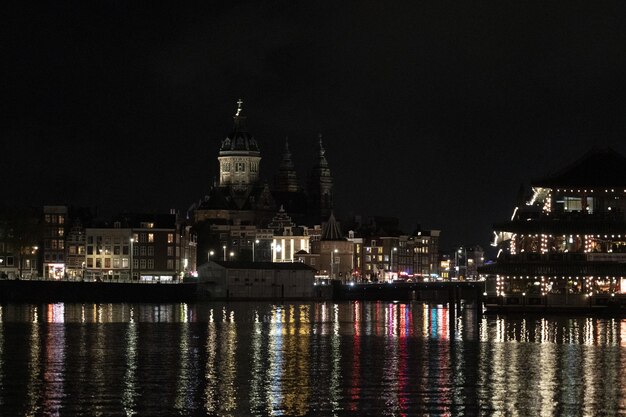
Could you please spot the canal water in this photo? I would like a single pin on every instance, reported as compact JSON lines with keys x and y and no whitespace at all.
{"x":306,"y":359}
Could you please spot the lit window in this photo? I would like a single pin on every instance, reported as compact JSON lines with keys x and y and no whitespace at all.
{"x":170,"y":238}
{"x":150,"y":237}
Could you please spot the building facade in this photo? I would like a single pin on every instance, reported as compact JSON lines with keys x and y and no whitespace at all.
{"x":567,"y":240}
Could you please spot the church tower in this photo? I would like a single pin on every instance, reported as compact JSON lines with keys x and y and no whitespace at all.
{"x":286,"y":180}
{"x":320,"y":187}
{"x":239,"y":156}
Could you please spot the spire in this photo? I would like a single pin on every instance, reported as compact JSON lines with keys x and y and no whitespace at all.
{"x":286,"y":163}
{"x":322,"y":153}
{"x":320,"y":186}
{"x":331,"y":230}
{"x":286,"y":180}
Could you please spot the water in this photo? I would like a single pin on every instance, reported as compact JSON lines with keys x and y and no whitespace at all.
{"x":305,"y":359}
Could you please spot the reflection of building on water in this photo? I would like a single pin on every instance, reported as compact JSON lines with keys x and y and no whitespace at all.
{"x":566,"y":242}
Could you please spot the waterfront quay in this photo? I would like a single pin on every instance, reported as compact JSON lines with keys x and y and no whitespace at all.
{"x":42,"y":290}
{"x":439,"y":291}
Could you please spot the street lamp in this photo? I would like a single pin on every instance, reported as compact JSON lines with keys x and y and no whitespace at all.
{"x":131,"y":260}
{"x":232,"y":255}
{"x":332,"y":263}
{"x":256,"y":242}
{"x":224,"y":247}
{"x":391,"y":263}
{"x":208,"y":255}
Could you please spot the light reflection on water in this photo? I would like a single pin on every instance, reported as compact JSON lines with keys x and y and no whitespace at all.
{"x":360,"y":358}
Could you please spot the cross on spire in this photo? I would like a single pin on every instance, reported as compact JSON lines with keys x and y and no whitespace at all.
{"x":239,"y":106}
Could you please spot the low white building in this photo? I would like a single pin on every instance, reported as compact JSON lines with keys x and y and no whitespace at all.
{"x":256,"y":280}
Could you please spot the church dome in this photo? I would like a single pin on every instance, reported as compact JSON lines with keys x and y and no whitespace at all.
{"x":239,"y":139}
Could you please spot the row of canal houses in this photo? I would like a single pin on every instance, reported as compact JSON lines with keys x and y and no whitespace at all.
{"x":69,"y":243}
{"x":566,"y":241}
{"x":66,"y":243}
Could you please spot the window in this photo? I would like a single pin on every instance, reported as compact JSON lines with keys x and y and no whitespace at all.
{"x":90,"y":239}
{"x":170,"y":251}
{"x":135,"y":263}
{"x":150,"y":263}
{"x":117,"y":250}
{"x":170,"y":238}
{"x":142,"y":238}
{"x":125,"y":263}
{"x":151,"y":250}
{"x":142,"y":251}
{"x":61,"y":219}
{"x":572,"y":204}
{"x":48,"y":219}
{"x":61,"y":244}
{"x":98,"y":263}
{"x":81,"y":250}
{"x":61,"y":232}
{"x":72,"y":250}
{"x":107,"y":262}
{"x":150,"y":237}
{"x":240,"y":166}
{"x":135,"y":251}
{"x":170,"y":264}
{"x":143,"y":264}
{"x":116,"y":262}
{"x":89,"y":262}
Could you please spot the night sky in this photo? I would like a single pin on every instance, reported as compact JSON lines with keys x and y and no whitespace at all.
{"x":433,"y":112}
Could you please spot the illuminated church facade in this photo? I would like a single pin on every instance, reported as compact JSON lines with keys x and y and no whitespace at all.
{"x":239,"y":198}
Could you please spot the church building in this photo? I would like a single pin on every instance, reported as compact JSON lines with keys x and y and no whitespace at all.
{"x":240,"y":197}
